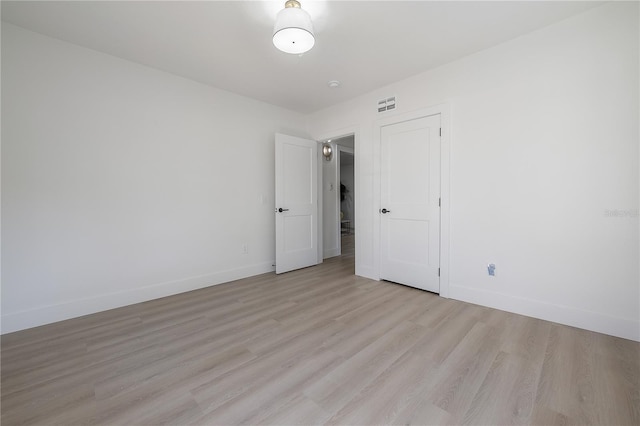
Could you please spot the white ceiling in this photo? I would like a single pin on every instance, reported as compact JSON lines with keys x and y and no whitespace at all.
{"x":227,"y":44}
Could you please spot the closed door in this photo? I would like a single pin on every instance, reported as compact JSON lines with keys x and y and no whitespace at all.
{"x":296,"y":203}
{"x":410,"y":203}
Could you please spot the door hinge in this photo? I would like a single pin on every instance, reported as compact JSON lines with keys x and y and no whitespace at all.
{"x":440,"y":131}
{"x":439,"y":202}
{"x":438,"y":271}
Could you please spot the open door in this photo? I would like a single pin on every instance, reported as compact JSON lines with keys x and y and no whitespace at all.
{"x":296,"y":203}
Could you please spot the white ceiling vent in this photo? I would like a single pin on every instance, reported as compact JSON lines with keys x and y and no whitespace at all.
{"x":387,"y":104}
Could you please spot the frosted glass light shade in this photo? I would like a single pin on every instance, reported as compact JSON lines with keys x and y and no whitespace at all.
{"x":293,"y":31}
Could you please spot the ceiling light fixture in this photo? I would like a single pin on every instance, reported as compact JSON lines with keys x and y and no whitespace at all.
{"x":293,"y":30}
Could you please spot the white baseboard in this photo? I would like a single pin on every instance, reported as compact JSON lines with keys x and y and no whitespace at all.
{"x":588,"y":320}
{"x":76,"y":308}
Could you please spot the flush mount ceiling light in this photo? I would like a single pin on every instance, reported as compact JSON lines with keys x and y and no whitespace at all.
{"x":293,"y":30}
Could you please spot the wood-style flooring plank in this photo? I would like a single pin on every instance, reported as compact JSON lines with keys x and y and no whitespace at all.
{"x":315,"y":346}
{"x":389,"y":394}
{"x":359,"y":370}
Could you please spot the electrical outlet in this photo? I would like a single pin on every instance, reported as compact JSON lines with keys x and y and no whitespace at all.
{"x":491,"y":268}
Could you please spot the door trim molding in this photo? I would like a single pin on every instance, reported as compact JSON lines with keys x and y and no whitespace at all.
{"x":445,"y":144}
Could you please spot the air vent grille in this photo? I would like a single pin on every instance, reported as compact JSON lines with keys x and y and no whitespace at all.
{"x":387,"y":104}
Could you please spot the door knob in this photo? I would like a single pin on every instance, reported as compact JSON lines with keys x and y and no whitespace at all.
{"x":385,"y":211}
{"x":280,"y":210}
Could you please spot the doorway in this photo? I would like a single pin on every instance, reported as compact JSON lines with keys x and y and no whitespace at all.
{"x":338,"y":198}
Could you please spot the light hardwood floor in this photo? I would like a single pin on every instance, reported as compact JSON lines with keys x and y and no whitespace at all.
{"x":316,"y":346}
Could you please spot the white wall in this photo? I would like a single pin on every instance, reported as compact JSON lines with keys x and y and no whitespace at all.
{"x":544,"y":146}
{"x":121,"y":183}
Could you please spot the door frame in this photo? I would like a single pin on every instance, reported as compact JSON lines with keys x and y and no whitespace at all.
{"x":445,"y":143}
{"x":337,"y":134}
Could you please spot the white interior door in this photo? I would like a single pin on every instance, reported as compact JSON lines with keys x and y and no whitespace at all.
{"x":296,"y":203}
{"x":410,"y":203}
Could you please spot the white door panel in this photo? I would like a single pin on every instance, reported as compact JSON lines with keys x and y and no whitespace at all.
{"x":296,"y":195}
{"x":410,"y":195}
{"x":297,"y":232}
